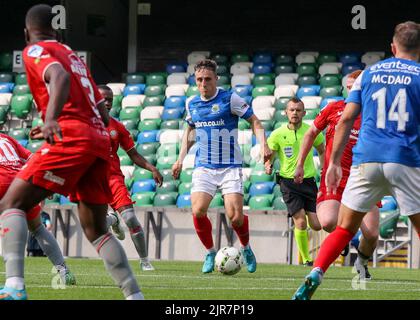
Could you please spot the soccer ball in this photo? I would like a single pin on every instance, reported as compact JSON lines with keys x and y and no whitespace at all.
{"x":229,"y":260}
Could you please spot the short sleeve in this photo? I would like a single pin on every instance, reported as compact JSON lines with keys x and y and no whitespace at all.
{"x":37,"y":59}
{"x":125,"y":140}
{"x":319,"y":139}
{"x":239,"y":107}
{"x":272,"y":140}
{"x":321,"y":120}
{"x":355,"y":94}
{"x":188,"y":117}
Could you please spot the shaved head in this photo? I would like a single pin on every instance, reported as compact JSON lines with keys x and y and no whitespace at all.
{"x":39,"y":17}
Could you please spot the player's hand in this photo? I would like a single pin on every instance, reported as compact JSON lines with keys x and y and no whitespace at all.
{"x":157,"y":177}
{"x":268,"y":167}
{"x":50,"y":129}
{"x":333,"y":178}
{"x":299,"y":174}
{"x":36,"y":133}
{"x":176,"y":169}
{"x":266,"y":153}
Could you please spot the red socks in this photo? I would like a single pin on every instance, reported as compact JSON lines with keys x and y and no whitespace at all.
{"x":243,"y":232}
{"x":332,"y":247}
{"x":203,"y":228}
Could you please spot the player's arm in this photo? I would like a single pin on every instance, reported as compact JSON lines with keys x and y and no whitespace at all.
{"x":59,"y":86}
{"x":104,"y":113}
{"x":143,"y":163}
{"x":259,"y":132}
{"x":188,"y":140}
{"x":342,"y":133}
{"x":321,"y":154}
{"x":305,"y":148}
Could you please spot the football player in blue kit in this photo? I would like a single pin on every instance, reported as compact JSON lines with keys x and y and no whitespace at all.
{"x":386,"y":158}
{"x":212,"y":119}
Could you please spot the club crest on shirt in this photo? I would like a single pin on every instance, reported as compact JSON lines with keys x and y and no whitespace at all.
{"x":288,"y":151}
{"x":113,"y":134}
{"x":35,"y":51}
{"x":215,"y":108}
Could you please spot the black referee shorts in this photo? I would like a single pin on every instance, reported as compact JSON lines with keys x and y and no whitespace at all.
{"x":298,"y":196}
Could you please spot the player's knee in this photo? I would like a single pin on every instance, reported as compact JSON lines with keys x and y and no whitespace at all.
{"x":237,"y":220}
{"x":329,"y":226}
{"x":199,"y":212}
{"x":130,"y":219}
{"x":371,"y":236}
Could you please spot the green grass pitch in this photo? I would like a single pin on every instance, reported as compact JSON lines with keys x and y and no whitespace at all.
{"x":174,"y":280}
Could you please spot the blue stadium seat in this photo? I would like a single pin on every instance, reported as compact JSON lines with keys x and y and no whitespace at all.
{"x":148,"y":136}
{"x":6,"y":87}
{"x":261,"y":188}
{"x":134,"y":89}
{"x":175,"y":102}
{"x":262,"y":58}
{"x":388,"y":204}
{"x":261,"y":68}
{"x":326,"y":101}
{"x":65,"y":200}
{"x":243,"y":90}
{"x":143,"y":186}
{"x":175,"y":67}
{"x":350,"y":57}
{"x":350,"y":67}
{"x":184,"y":201}
{"x":23,"y":142}
{"x":309,"y":90}
{"x":174,"y":113}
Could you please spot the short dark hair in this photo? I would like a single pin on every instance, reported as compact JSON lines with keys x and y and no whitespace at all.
{"x":39,"y":16}
{"x":295,"y":100}
{"x":206,"y":64}
{"x":104,"y":87}
{"x":407,"y":35}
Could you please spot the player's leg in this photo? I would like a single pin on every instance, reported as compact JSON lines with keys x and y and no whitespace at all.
{"x":301,"y":236}
{"x":368,"y":242}
{"x":49,"y":245}
{"x":128,"y":214}
{"x":200,"y":202}
{"x":327,"y":212}
{"x":240,"y":224}
{"x":93,"y":195}
{"x":19,"y":199}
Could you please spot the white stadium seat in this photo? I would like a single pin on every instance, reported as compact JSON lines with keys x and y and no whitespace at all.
{"x":177,"y":78}
{"x":311,"y":102}
{"x":282,"y":79}
{"x":151,"y":113}
{"x":263,"y":102}
{"x":176,"y":90}
{"x":117,"y":88}
{"x":133,"y":100}
{"x":286,"y":90}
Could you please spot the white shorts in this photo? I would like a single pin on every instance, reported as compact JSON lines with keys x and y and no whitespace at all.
{"x":369,"y":182}
{"x":228,"y":180}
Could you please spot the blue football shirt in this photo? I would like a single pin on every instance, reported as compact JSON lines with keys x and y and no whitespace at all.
{"x":216,"y":124}
{"x":389,"y":95}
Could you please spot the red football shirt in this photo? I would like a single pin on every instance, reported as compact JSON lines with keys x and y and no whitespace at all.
{"x":328,"y":119}
{"x":119,"y":137}
{"x":79,"y":119}
{"x":12,"y":158}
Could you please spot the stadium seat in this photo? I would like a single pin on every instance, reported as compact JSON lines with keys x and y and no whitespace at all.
{"x":346,"y":58}
{"x":309,"y":79}
{"x":265,"y":114}
{"x":241,"y":80}
{"x":151,"y":113}
{"x":263,"y":102}
{"x":327,"y":68}
{"x":192,"y":91}
{"x":167,"y":149}
{"x":259,"y":175}
{"x":278,"y":203}
{"x":266,"y":90}
{"x":284,"y":58}
{"x":144,"y":199}
{"x":34,"y":145}
{"x":155,"y":90}
{"x":307,"y":69}
{"x":307,"y":91}
{"x":146,"y":149}
{"x":186,"y":175}
{"x":166,"y":162}
{"x":177,"y":78}
{"x":117,"y":88}
{"x":7,"y":77}
{"x":125,"y":160}
{"x":185,"y":188}
{"x":149,"y":124}
{"x":21,"y":89}
{"x":329,"y":80}
{"x":3,"y":114}
{"x":281,"y":103}
{"x":350,"y":67}
{"x":6,"y":87}
{"x":261,"y":188}
{"x":176,"y":90}
{"x":284,"y":79}
{"x":286,"y":90}
{"x":325,"y":101}
{"x":166,"y":174}
{"x":129,"y":113}
{"x":134,"y":89}
{"x":223,"y":80}
{"x":370,"y":58}
{"x":217,"y":201}
{"x":147,"y":136}
{"x":276,"y":190}
{"x":261,"y":202}
{"x":170,"y":124}
{"x":220,"y":58}
{"x":140,"y":174}
{"x":326,"y":57}
{"x":243,"y":90}
{"x":135,"y":78}
{"x":154,"y":79}
{"x":388,"y":223}
{"x":311,"y":102}
{"x":330,"y":91}
{"x":176,"y":67}
{"x":184,"y":201}
{"x":243,"y":124}
{"x":168,"y":186}
{"x":21,"y":106}
{"x":262,"y":57}
{"x":65,"y":201}
{"x":239,"y":69}
{"x":170,"y":136}
{"x":6,"y":61}
{"x":155,"y":101}
{"x":143,"y":186}
{"x":165,"y":199}
{"x":261,"y":69}
{"x":175,"y":102}
{"x":262,"y":79}
{"x":239,"y":57}
{"x":172,"y":114}
{"x":284,"y":68}
{"x":55,"y":200}
{"x":311,"y":114}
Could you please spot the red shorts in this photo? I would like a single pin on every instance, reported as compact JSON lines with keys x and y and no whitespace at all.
{"x":31,"y":214}
{"x":120,"y":195}
{"x":69,"y":171}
